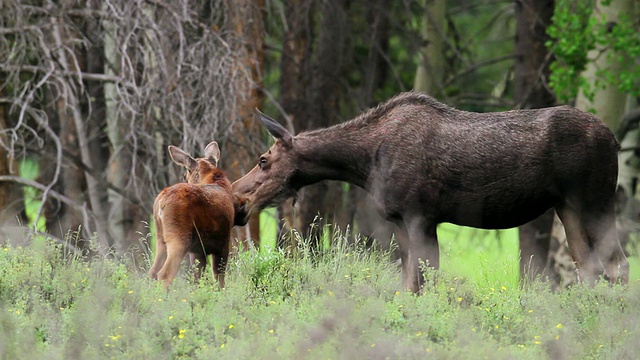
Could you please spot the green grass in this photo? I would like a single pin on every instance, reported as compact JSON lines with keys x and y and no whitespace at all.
{"x":345,"y":304}
{"x":485,"y":256}
{"x":475,"y":254}
{"x":29,"y":170}
{"x":342,"y":305}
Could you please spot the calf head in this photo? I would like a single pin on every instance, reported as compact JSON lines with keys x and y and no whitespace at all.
{"x":269,"y":182}
{"x":199,"y":171}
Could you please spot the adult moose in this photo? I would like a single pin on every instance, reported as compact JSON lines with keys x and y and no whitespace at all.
{"x":195,"y":217}
{"x":426,"y":163}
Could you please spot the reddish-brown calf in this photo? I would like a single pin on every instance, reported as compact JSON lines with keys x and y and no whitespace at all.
{"x":195,"y":217}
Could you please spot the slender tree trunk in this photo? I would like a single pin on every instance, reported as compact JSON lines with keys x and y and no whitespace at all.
{"x":11,"y":195}
{"x":531,"y":70}
{"x":432,"y":61}
{"x":629,"y":171}
{"x":609,"y":103}
{"x":360,"y":209}
{"x":532,"y":56}
{"x":117,"y":172}
{"x":69,"y":108}
{"x":125,"y":219}
{"x":318,"y":200}
{"x":295,"y":67}
{"x":245,"y":17}
{"x":61,"y":219}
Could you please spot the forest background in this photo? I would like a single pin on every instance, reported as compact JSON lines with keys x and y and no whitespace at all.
{"x":92,"y":92}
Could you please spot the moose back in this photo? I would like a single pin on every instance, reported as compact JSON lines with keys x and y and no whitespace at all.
{"x":426,"y":163}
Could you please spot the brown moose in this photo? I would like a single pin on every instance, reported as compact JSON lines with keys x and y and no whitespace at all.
{"x":426,"y":163}
{"x":195,"y":217}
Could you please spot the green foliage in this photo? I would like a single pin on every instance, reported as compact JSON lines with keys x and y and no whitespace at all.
{"x":571,"y":40}
{"x":574,"y":33}
{"x":345,"y":303}
{"x":29,"y":170}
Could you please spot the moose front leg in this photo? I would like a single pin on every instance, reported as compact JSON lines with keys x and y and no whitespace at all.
{"x":418,"y":244}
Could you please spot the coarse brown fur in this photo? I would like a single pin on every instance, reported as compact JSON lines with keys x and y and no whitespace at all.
{"x":195,"y":217}
{"x":426,"y":163}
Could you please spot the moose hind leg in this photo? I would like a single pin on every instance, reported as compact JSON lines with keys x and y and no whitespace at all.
{"x":593,"y":242}
{"x":175,"y":253}
{"x":219,"y":265}
{"x":161,"y":252}
{"x":578,"y":243}
{"x":603,"y":235}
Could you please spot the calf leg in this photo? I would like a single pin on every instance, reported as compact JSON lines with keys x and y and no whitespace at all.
{"x":418,"y":245}
{"x":219,"y":265}
{"x":176,"y":250}
{"x":161,"y":251}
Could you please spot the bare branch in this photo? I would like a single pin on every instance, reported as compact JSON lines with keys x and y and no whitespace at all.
{"x":74,"y":74}
{"x":41,"y":187}
{"x":167,"y":75}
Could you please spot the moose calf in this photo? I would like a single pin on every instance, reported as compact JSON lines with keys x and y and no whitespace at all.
{"x":195,"y":217}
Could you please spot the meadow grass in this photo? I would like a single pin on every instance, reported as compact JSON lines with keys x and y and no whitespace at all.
{"x":343,"y":303}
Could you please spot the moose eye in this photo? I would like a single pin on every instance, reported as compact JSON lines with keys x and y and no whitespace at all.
{"x":263,"y":162}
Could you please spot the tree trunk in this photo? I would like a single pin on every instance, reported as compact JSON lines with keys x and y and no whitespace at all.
{"x":69,"y":109}
{"x":318,"y":200}
{"x":63,"y":221}
{"x":125,"y":219}
{"x":360,"y":209}
{"x":432,"y":61}
{"x":531,"y":91}
{"x":295,"y":69}
{"x":245,"y":17}
{"x":609,"y":103}
{"x":11,"y":194}
{"x":532,"y":56}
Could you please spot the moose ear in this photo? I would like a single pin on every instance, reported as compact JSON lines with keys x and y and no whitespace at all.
{"x":276,"y":130}
{"x":182,"y":158}
{"x":212,"y":153}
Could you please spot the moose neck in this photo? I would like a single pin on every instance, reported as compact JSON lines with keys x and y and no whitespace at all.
{"x":332,"y":153}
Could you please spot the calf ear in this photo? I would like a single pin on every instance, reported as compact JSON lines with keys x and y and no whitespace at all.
{"x":212,"y":153}
{"x":182,"y":158}
{"x":276,"y":130}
